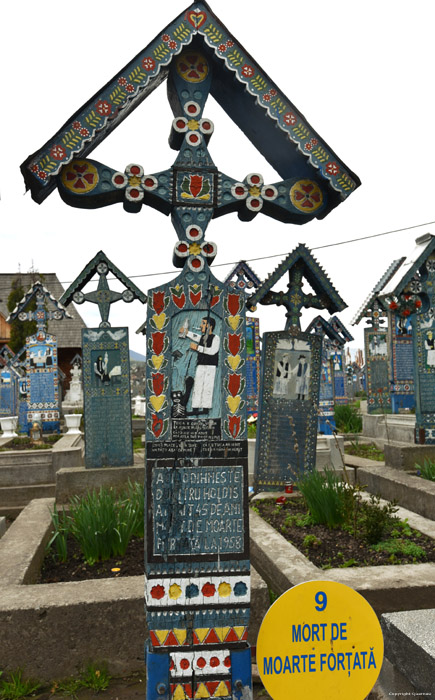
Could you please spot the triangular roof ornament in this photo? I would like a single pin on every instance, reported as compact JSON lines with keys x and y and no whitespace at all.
{"x":372,"y":306}
{"x":103,"y":296}
{"x":251,"y":99}
{"x":299,"y":264}
{"x":243,"y":277}
{"x":340,"y":328}
{"x":321,"y":326}
{"x":41,"y":315}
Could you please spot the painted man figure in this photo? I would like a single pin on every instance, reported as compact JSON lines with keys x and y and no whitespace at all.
{"x":282,"y":375}
{"x":207,"y":346}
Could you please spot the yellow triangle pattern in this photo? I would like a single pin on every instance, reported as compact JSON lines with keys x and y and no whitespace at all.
{"x":179,"y":693}
{"x":180,"y":635}
{"x":201,"y":633}
{"x":222,"y":632}
{"x":161,"y":635}
{"x":221,"y":691}
{"x":202,"y":692}
{"x":239,"y":631}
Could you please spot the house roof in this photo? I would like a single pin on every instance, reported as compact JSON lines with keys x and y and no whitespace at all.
{"x":242,"y":88}
{"x":67,"y":331}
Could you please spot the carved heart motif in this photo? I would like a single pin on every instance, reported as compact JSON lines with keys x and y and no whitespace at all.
{"x":196,"y":19}
{"x":234,"y":361}
{"x":307,"y":188}
{"x":157,"y":360}
{"x":233,"y":322}
{"x":157,"y":402}
{"x":233,"y":403}
{"x":159,"y":320}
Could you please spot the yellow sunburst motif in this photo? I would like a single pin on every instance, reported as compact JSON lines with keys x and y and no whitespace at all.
{"x":254,"y":191}
{"x":174,"y":591}
{"x":224,"y":589}
{"x":194,"y":249}
{"x":134,"y":181}
{"x":193,"y":124}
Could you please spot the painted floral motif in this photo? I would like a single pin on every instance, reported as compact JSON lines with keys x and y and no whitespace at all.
{"x":58,"y":152}
{"x":248,"y":71}
{"x":196,"y":187}
{"x":192,"y":66}
{"x":195,"y":293}
{"x":332,"y":168}
{"x":306,"y":196}
{"x":148,"y":63}
{"x":103,"y":107}
{"x":178,"y":296}
{"x":290,"y":118}
{"x":80,"y":177}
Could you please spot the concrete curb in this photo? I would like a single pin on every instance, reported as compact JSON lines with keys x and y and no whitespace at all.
{"x":53,"y":630}
{"x":386,"y":588}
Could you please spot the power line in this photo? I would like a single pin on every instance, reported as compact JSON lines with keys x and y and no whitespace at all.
{"x":280,"y":255}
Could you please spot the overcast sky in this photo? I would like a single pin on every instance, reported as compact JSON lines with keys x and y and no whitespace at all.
{"x":361,"y":74}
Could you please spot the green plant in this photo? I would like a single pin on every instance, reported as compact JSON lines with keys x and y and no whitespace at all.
{"x":311,"y":541}
{"x":62,"y":528}
{"x":67,"y":688}
{"x":427,"y":469}
{"x":347,"y":419}
{"x":323,"y":495}
{"x":252,"y":430}
{"x":348,"y":563}
{"x":378,"y":520}
{"x":103,"y":521}
{"x":137,"y":443}
{"x":399,"y":546}
{"x":95,"y":677}
{"x":17,"y":687}
{"x":272,"y":596}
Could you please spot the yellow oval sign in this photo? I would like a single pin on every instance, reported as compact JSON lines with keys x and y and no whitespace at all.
{"x":320,"y":639}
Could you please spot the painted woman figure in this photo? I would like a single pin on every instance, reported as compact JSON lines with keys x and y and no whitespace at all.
{"x":282,"y":375}
{"x":302,"y":377}
{"x":429,"y":344}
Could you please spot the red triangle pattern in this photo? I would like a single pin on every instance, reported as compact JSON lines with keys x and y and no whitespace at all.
{"x":212,"y":638}
{"x":211,"y":686}
{"x":231,"y":636}
{"x":154,"y":639}
{"x":171,"y":640}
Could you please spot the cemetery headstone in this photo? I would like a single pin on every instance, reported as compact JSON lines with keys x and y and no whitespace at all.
{"x":106,"y":368}
{"x":326,"y":422}
{"x":197,"y":559}
{"x":410,"y":295}
{"x":339,"y":361}
{"x":9,"y":379}
{"x":376,"y":343}
{"x":74,"y":395}
{"x":401,"y":355}
{"x":290,"y":380}
{"x":42,"y":381}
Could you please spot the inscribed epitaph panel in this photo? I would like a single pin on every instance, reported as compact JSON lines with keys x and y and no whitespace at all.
{"x":42,"y":382}
{"x":402,"y":363}
{"x":289,"y":403}
{"x":8,"y":392}
{"x":378,"y":385}
{"x":106,"y":393}
{"x":423,"y":326}
{"x":326,"y":422}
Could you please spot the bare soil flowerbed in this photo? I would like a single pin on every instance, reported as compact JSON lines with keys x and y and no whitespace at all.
{"x":76,"y":569}
{"x":338,"y":548}
{"x":25,"y":443}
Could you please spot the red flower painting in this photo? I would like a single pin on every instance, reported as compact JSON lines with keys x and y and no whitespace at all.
{"x":234,"y":425}
{"x":234,"y":343}
{"x":158,"y":302}
{"x":158,"y":380}
{"x":158,"y":340}
{"x":234,"y":381}
{"x":233,"y":304}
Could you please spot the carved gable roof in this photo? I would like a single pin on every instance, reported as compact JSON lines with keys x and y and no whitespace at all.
{"x":321,"y":326}
{"x":367,"y":305}
{"x":313,"y":273}
{"x":251,"y":99}
{"x":424,"y":247}
{"x":341,"y":329}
